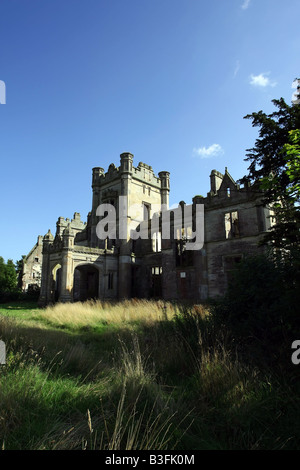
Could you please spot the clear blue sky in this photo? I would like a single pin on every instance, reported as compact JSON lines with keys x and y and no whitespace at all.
{"x":167,"y":80}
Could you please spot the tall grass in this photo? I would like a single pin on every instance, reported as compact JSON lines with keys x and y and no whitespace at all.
{"x":94,"y":312}
{"x":136,"y":375}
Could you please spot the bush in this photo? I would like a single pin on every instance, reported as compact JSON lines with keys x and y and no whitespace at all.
{"x":261,"y":304}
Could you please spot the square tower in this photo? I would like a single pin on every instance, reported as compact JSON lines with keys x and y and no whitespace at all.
{"x":142,"y":191}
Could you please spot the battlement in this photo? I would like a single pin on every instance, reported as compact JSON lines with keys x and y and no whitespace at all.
{"x":145,"y":173}
{"x":142,"y":172}
{"x":76,"y":224}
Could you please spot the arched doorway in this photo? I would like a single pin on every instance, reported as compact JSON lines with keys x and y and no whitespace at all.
{"x":56,"y":282}
{"x":86,"y":282}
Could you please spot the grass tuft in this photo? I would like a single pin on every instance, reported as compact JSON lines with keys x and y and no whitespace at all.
{"x":137,"y":375}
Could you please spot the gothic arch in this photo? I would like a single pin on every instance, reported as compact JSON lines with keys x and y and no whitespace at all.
{"x":87,"y":277}
{"x":55,"y":282}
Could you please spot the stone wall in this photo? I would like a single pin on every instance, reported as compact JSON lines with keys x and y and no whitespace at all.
{"x":32,"y":267}
{"x":77,"y":264}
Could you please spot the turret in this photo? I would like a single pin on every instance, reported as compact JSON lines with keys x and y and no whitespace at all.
{"x":68,"y":237}
{"x":48,"y":238}
{"x":126,"y":162}
{"x":164,"y":177}
{"x":216,"y":179}
{"x":97,"y":173}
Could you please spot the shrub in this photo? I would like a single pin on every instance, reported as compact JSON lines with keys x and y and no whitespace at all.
{"x":261,"y":303}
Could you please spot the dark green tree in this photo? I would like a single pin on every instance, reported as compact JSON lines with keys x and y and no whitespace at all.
{"x":274,"y":166}
{"x":8,"y":276}
{"x":11,"y":276}
{"x":19,"y":270}
{"x":2,"y":273}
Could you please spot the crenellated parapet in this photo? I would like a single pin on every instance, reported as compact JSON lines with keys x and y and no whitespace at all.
{"x":76,"y":224}
{"x":142,"y":172}
{"x":145,"y":174}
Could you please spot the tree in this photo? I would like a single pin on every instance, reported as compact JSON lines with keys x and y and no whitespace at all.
{"x":292,"y":153}
{"x":11,"y":276}
{"x":275,"y":167}
{"x":8,"y":276}
{"x":19,"y":270}
{"x":2,"y":273}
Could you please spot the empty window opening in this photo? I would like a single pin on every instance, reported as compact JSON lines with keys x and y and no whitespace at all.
{"x":156,"y":270}
{"x":156,"y":284}
{"x":156,"y":242}
{"x":110,"y":281}
{"x":146,"y":210}
{"x":232,"y":224}
{"x":185,"y":233}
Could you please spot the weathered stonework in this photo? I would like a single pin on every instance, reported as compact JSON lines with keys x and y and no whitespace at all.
{"x":32,"y":267}
{"x":78,"y":265}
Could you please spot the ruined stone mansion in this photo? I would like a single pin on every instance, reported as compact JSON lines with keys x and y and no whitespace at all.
{"x":78,"y":265}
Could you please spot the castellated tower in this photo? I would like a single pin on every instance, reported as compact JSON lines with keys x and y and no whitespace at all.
{"x":139,"y":187}
{"x":77,"y":263}
{"x":142,"y":194}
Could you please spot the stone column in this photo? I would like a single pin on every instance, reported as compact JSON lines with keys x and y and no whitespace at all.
{"x":165,"y":187}
{"x":67,"y":266}
{"x":45,"y":292}
{"x":98,"y":173}
{"x":125,"y":268}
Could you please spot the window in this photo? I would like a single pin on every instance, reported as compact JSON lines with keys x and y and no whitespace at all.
{"x":156,"y":284}
{"x":228,"y":192}
{"x":184,"y":256}
{"x":36,"y":260}
{"x":156,"y":242}
{"x":156,"y":270}
{"x":184,"y":233}
{"x":146,"y":209}
{"x":231,"y":225}
{"x":110,"y":281}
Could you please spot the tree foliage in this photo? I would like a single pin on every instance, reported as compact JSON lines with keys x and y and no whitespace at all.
{"x":8,"y":276}
{"x":275,"y":166}
{"x":261,"y":307}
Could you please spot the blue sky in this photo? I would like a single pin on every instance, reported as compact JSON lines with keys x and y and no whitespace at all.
{"x":167,"y":80}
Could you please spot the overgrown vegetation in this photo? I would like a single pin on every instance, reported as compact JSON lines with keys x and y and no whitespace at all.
{"x":10,"y":275}
{"x":141,"y":375}
{"x":154,"y":375}
{"x":275,"y":169}
{"x":8,"y":278}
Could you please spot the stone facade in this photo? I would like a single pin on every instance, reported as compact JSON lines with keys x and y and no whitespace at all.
{"x":78,"y":265}
{"x":32,"y":267}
